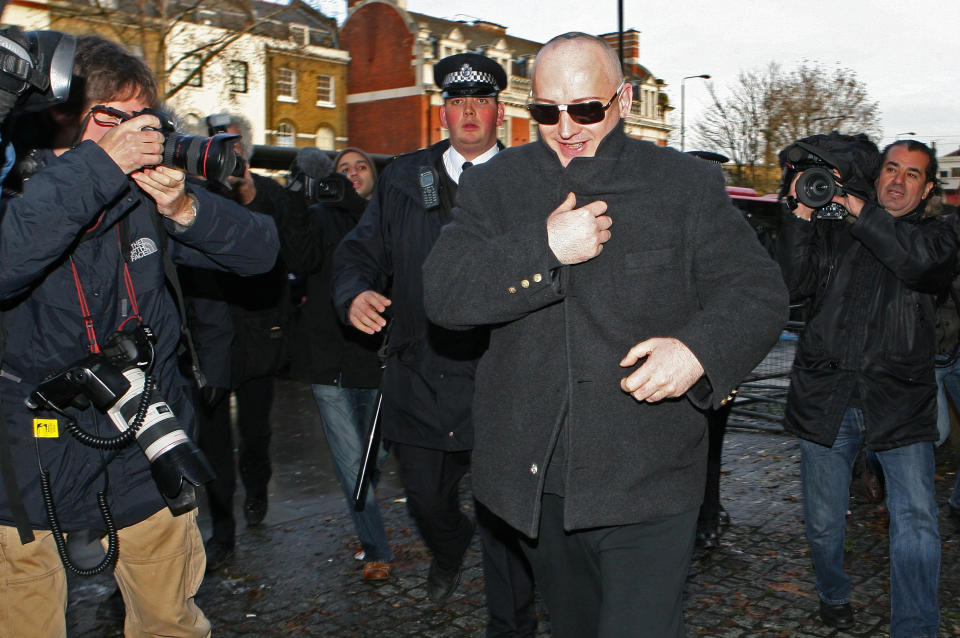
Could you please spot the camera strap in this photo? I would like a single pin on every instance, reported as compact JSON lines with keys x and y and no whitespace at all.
{"x":85,"y":312}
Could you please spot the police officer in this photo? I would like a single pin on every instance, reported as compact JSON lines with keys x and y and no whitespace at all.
{"x":428,"y":381}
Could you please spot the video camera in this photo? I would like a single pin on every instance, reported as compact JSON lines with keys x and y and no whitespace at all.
{"x":117,"y":381}
{"x":214,"y":158}
{"x":830,"y":166}
{"x":312,"y":173}
{"x":36,"y":68}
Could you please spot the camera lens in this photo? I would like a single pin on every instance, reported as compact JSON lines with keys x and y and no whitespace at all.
{"x":816,"y":187}
{"x":210,"y":157}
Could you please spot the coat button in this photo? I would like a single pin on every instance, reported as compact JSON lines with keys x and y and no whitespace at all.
{"x":537,"y":278}
{"x":450,"y":434}
{"x":512,"y":290}
{"x":534,"y":468}
{"x":525,"y":283}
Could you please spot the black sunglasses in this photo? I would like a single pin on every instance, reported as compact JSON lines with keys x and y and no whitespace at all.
{"x":581,"y":112}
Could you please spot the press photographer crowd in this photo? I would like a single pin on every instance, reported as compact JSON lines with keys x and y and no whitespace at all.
{"x":560,"y":319}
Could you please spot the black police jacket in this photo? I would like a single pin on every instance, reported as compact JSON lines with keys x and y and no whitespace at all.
{"x":428,"y":382}
{"x":71,"y":214}
{"x":869,"y":340}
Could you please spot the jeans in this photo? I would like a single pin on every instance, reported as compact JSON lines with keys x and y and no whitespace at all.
{"x":346,"y":414}
{"x":948,"y":381}
{"x":914,"y":534}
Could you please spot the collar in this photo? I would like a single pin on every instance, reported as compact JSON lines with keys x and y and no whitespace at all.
{"x":453,"y":160}
{"x":610,"y":147}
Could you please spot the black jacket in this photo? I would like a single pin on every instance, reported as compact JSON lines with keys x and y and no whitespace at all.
{"x":62,"y":204}
{"x":681,"y":262}
{"x":237,"y":321}
{"x":869,"y":338}
{"x":428,"y":381}
{"x":322,"y":349}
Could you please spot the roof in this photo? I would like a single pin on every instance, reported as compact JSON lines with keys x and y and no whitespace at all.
{"x":477,"y":33}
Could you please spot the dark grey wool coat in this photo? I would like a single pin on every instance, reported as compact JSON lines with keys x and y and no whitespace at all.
{"x":681,"y":263}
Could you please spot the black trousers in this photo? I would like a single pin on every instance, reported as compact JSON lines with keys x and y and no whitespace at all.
{"x":716,"y":429}
{"x":431,"y":481}
{"x":254,"y":399}
{"x":611,"y":582}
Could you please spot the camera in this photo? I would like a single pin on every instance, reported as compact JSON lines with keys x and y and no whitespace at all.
{"x":36,"y":68}
{"x":312,"y":173}
{"x":214,"y":158}
{"x":830,"y":166}
{"x":117,"y":382}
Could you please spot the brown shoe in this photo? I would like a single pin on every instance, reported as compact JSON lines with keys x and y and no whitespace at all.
{"x":375,"y":570}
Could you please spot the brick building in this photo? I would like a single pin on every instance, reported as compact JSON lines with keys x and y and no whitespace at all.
{"x":280,"y":65}
{"x":392,"y":53}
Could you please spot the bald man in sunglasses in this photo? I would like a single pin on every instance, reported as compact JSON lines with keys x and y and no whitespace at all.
{"x":624,"y":294}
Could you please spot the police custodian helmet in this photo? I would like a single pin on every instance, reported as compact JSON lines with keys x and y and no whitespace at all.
{"x":469,"y":75}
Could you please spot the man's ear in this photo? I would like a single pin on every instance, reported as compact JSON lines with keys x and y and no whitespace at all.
{"x":927,"y":189}
{"x":443,"y":116}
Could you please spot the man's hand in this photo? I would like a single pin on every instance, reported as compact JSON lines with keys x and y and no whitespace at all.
{"x":851,"y":202}
{"x":366,"y":312}
{"x":576,"y":235}
{"x":669,"y":371}
{"x":166,"y":186}
{"x":130,"y":148}
{"x":243,"y":187}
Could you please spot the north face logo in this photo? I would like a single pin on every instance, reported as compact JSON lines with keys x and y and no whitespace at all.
{"x":141,"y":248}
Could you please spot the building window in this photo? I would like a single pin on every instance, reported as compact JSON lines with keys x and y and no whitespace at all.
{"x":188,"y":65}
{"x":955,"y":172}
{"x":238,"y":76}
{"x":325,"y":94}
{"x":286,"y":135}
{"x":286,"y":85}
{"x":299,"y":34}
{"x":325,"y":139}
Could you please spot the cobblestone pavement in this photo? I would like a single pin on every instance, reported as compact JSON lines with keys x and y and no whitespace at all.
{"x":299,"y":577}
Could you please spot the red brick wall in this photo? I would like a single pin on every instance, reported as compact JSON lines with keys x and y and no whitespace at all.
{"x":390,"y":126}
{"x":521,"y":131}
{"x":381,"y":49}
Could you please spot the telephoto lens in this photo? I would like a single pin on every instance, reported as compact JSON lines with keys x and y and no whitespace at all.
{"x":213,"y":158}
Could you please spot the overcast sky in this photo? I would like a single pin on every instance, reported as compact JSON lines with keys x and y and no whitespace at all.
{"x":907,"y":54}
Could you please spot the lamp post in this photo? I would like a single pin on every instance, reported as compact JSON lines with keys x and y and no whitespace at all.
{"x":683,"y":99}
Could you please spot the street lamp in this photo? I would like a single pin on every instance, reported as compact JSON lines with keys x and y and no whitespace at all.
{"x":683,"y":97}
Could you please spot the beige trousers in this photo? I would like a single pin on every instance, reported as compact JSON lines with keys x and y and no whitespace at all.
{"x":159,"y":569}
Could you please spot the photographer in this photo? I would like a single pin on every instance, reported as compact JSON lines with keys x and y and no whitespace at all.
{"x":864,"y":369}
{"x":340,"y":363}
{"x":93,"y":229}
{"x":237,"y":323}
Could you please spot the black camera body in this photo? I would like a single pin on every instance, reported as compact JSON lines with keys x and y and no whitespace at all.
{"x":213,"y":158}
{"x":830,"y":166}
{"x":117,"y":383}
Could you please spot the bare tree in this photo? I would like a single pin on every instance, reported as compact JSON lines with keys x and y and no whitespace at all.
{"x":178,"y":38}
{"x":767,"y":110}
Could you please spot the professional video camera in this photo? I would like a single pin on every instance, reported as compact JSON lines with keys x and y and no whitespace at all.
{"x":35,"y":69}
{"x":829,"y":166}
{"x":119,"y":383}
{"x":313,"y":173}
{"x":213,"y":158}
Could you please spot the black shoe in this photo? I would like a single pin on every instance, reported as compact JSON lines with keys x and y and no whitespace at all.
{"x":218,"y":553}
{"x":708,"y":533}
{"x":112,"y":609}
{"x":837,"y":616}
{"x":255,"y":509}
{"x":441,"y":583}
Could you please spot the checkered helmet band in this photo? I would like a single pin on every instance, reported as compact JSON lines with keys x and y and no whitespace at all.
{"x":467,"y":73}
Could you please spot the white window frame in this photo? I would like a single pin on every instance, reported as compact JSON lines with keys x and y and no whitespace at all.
{"x":332,"y":91}
{"x":292,"y":82}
